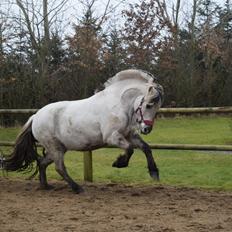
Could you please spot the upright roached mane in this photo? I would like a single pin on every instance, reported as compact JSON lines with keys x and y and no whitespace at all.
{"x":113,"y":116}
{"x":132,"y":74}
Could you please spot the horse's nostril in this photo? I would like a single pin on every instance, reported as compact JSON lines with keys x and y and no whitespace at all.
{"x":147,"y":130}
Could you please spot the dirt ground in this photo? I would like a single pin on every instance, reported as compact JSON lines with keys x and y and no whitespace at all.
{"x":23,"y":207}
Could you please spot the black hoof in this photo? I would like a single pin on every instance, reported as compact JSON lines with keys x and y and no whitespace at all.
{"x":77,"y":188}
{"x":121,"y":162}
{"x":155,"y":175}
{"x":46,"y":187}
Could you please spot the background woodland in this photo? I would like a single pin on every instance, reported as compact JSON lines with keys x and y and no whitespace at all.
{"x":189,"y":50}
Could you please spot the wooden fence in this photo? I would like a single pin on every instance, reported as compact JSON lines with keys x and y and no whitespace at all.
{"x":164,"y":111}
{"x":87,"y":156}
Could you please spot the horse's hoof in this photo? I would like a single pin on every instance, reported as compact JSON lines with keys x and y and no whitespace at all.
{"x":155,"y":175}
{"x":121,"y":162}
{"x":77,"y":189}
{"x":46,"y":187}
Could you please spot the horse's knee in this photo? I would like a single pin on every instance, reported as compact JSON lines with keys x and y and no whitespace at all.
{"x":58,"y":158}
{"x":61,"y":169}
{"x":45,"y":161}
{"x":118,"y":140}
{"x":146,"y":148}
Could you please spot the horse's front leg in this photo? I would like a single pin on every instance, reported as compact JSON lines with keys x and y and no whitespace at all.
{"x":137,"y":141}
{"x":117,"y":139}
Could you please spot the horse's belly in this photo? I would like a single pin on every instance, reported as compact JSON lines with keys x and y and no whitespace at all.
{"x":82,"y":141}
{"x":83,"y":145}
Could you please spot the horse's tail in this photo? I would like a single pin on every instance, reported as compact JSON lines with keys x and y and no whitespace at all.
{"x":24,"y":153}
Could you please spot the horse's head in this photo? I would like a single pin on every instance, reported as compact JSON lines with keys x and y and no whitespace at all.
{"x":147,"y":106}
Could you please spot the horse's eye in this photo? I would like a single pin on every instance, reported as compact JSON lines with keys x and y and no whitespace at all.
{"x":156,"y":99}
{"x":149,"y":106}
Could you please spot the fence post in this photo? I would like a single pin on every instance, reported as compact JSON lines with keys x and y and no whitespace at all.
{"x":88,"y":166}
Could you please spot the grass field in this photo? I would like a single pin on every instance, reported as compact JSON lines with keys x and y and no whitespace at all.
{"x":211,"y":170}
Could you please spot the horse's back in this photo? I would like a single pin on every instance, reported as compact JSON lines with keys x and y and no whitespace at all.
{"x":82,"y":124}
{"x":75,"y":124}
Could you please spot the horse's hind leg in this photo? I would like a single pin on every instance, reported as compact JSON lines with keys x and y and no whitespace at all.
{"x":61,"y":169}
{"x":123,"y":160}
{"x":43,"y":164}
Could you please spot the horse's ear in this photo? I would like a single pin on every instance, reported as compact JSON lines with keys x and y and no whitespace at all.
{"x":151,"y":90}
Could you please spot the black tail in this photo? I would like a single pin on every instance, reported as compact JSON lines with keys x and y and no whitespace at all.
{"x":24,"y":153}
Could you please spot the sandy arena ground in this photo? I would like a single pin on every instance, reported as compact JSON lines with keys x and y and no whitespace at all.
{"x":23,"y":207}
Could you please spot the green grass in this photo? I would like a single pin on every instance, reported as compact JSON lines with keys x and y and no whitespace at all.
{"x":200,"y":130}
{"x":211,"y":170}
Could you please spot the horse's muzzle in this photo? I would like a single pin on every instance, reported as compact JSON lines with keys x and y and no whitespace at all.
{"x":146,"y":130}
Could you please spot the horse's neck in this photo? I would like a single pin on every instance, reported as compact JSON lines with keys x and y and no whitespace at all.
{"x":129,"y":100}
{"x":125,"y":93}
{"x":129,"y":95}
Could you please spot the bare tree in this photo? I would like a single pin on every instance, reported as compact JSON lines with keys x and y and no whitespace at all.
{"x":105,"y":9}
{"x":38,"y":25}
{"x":4,"y":24}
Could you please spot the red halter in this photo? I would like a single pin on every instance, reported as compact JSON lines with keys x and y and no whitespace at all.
{"x":139,"y":109}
